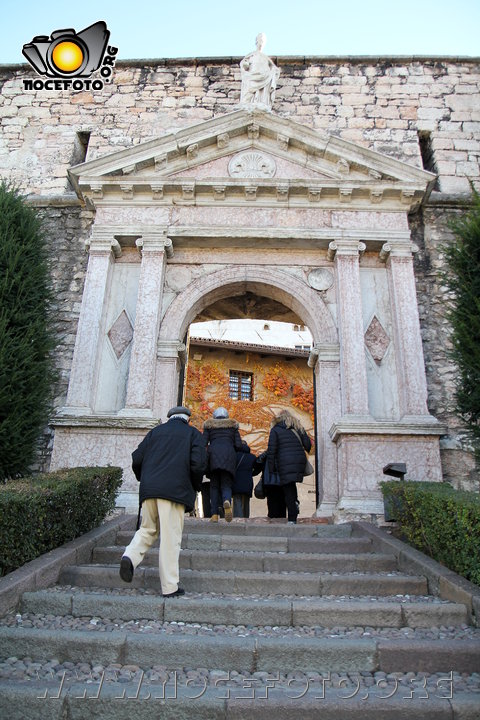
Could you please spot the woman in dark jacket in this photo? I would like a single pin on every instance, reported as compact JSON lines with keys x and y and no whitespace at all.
{"x":287,"y":444}
{"x":223,"y":440}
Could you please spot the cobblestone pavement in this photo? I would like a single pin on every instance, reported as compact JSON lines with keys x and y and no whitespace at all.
{"x":237,"y":682}
{"x":98,"y":624}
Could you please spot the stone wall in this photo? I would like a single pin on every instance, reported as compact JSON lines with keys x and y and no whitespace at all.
{"x":65,"y":226}
{"x":430,"y":232}
{"x":381,"y":103}
{"x":384,"y":104}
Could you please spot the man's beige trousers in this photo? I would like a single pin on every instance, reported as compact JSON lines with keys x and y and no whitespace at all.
{"x":165,"y":518}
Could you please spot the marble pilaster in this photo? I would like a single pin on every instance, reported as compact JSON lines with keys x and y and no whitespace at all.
{"x":409,"y":350}
{"x":103,"y":248}
{"x":353,"y":374}
{"x":327,"y":377}
{"x":155,"y":247}
{"x":170,"y":357}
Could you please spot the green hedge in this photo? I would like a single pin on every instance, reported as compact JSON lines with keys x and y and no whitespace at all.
{"x":440,"y":521}
{"x":38,"y":514}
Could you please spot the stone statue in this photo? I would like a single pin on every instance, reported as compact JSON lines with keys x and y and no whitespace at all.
{"x":259,"y":78}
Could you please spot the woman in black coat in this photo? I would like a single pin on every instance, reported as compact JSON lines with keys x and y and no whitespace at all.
{"x":287,"y":444}
{"x":223,"y":440}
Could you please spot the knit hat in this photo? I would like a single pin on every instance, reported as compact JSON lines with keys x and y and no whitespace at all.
{"x":220,"y":412}
{"x":179,"y":410}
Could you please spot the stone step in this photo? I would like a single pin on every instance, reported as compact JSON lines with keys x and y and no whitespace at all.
{"x":279,"y":654}
{"x":254,"y":699}
{"x":250,"y":583}
{"x":259,"y":526}
{"x":261,"y":561}
{"x":260,"y":543}
{"x":373,"y":613}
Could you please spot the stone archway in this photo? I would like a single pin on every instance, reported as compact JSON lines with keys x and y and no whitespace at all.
{"x":286,"y":288}
{"x":279,"y":285}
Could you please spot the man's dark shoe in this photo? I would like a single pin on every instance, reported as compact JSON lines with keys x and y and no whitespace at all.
{"x":178,"y":591}
{"x":126,"y":569}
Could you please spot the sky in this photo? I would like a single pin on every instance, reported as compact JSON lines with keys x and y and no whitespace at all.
{"x":189,"y":28}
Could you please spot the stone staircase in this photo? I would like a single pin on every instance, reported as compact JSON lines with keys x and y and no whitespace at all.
{"x":322,"y":620}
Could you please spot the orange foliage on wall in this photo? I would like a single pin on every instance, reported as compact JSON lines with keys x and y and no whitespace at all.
{"x":303,"y":399}
{"x":198,"y":380}
{"x":277,"y":382}
{"x":277,"y":386}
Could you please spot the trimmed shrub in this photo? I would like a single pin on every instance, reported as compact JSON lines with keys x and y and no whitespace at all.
{"x":442,"y":522}
{"x":39,"y":514}
{"x":26,"y":338}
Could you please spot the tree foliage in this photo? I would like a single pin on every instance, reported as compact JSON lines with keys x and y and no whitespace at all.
{"x":26,"y":341}
{"x":462,"y":277}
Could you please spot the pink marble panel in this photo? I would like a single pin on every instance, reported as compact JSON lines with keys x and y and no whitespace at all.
{"x":352,"y":353}
{"x":369,"y":220}
{"x":85,"y":447}
{"x":251,"y":217}
{"x":362,"y":459}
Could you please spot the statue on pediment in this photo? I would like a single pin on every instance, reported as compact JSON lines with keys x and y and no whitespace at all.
{"x":259,"y":78}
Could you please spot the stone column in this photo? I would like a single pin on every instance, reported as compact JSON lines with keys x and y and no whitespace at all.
{"x":155,"y":247}
{"x":103,"y":249}
{"x":408,"y":341}
{"x":353,"y":373}
{"x":328,"y":407}
{"x":171,"y":355}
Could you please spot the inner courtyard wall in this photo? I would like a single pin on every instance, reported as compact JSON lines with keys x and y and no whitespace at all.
{"x":386,"y":104}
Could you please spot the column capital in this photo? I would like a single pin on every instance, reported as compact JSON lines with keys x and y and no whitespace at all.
{"x":402,"y":249}
{"x":155,"y":242}
{"x":345,"y":247}
{"x":102,"y":242}
{"x":170,"y":349}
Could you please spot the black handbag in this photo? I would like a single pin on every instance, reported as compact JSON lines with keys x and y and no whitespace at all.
{"x":308,"y":469}
{"x":259,"y":490}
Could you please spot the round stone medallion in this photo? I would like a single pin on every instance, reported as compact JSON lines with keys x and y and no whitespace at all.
{"x":320,"y":279}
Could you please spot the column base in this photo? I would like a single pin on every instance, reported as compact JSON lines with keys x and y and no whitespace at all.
{"x":127,"y":500}
{"x":326,"y":509}
{"x":131,"y":412}
{"x":360,"y":506}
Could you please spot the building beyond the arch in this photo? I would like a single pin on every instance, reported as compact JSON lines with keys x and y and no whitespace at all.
{"x":328,"y":210}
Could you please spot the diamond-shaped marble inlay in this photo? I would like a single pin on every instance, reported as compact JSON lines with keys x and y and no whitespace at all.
{"x":377,"y":340}
{"x":121,"y":334}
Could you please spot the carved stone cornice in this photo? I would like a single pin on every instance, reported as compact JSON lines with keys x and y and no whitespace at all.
{"x":67,"y":419}
{"x":344,"y":174}
{"x":427,"y":425}
{"x":302,"y":193}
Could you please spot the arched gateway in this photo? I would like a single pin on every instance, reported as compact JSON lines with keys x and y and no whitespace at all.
{"x":253,"y":203}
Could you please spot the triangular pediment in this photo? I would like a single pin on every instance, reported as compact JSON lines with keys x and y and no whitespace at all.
{"x":251,"y":155}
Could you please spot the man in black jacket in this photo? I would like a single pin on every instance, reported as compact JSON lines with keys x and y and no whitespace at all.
{"x":169,"y":464}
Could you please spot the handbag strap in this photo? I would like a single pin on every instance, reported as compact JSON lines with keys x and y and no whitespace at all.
{"x":300,"y":439}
